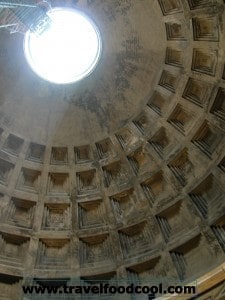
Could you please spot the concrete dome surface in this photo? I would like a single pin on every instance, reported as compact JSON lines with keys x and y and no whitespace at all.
{"x":120,"y":176}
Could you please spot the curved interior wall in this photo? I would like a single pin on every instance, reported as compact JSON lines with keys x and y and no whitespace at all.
{"x":138,"y":201}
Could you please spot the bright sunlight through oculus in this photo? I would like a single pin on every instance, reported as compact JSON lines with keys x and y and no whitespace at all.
{"x":66,"y":52}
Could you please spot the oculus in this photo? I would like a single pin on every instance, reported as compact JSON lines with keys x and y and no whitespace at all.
{"x":67,"y":50}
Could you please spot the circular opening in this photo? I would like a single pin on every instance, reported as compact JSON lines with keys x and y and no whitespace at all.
{"x":67,"y":51}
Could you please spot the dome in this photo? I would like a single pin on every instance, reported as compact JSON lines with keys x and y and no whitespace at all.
{"x":120,"y":175}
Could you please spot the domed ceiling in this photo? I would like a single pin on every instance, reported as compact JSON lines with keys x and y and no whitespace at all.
{"x":119,"y":176}
{"x":133,"y":49}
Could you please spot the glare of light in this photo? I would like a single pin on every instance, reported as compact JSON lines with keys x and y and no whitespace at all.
{"x":66,"y":52}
